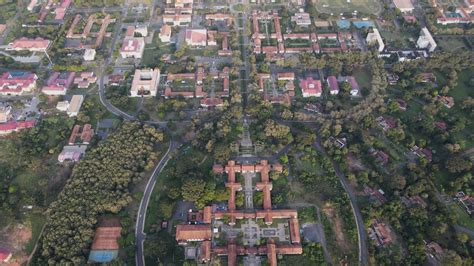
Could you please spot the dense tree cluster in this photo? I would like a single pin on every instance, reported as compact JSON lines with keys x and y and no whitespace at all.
{"x":99,"y":184}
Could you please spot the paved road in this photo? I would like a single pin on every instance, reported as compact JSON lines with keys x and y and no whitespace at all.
{"x":140,"y":236}
{"x":362,"y":234}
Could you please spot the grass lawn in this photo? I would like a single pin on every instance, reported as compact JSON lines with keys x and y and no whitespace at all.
{"x":463,"y":218}
{"x":340,"y":6}
{"x":463,"y":90}
{"x":37,"y":222}
{"x":363,"y":77}
{"x":450,"y":43}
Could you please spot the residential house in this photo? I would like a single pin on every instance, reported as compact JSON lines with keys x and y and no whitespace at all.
{"x":435,"y":250}
{"x":466,"y":201}
{"x":311,"y":87}
{"x":447,"y":101}
{"x":422,"y":153}
{"x":115,"y":80}
{"x":333,"y":85}
{"x":380,"y":234}
{"x":58,"y":83}
{"x":426,"y":41}
{"x":32,"y":45}
{"x":376,"y":194}
{"x":16,"y":83}
{"x":386,"y":122}
{"x":353,"y":83}
{"x":402,"y":105}
{"x":380,"y":157}
{"x":85,"y":79}
{"x":145,"y":83}
{"x":414,"y":201}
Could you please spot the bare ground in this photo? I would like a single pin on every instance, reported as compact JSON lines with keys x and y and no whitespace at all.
{"x":14,"y":238}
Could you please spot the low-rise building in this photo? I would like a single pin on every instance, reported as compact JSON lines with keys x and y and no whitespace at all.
{"x":89,"y":54}
{"x":165,"y":33}
{"x":386,"y":122}
{"x":58,"y":83}
{"x":196,"y":37}
{"x":132,"y":47}
{"x":62,"y":106}
{"x":426,"y":41}
{"x":405,"y":6}
{"x":85,"y":79}
{"x":81,"y":135}
{"x":374,"y":37}
{"x":380,"y":234}
{"x":17,"y":82}
{"x":301,"y":19}
{"x":75,"y":105}
{"x":333,"y":85}
{"x":311,"y":87}
{"x":13,"y":126}
{"x":33,"y":45}
{"x":145,"y":83}
{"x":72,"y":153}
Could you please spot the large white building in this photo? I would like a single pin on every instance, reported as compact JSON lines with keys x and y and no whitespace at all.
{"x":426,"y":41}
{"x":374,"y":37}
{"x":145,"y":83}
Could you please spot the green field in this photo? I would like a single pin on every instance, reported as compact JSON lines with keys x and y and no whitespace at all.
{"x":341,"y":6}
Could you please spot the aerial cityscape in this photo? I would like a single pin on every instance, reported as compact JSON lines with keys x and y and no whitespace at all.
{"x":237,"y":132}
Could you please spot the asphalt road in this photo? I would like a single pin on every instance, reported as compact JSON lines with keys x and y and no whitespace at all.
{"x":362,"y":234}
{"x":140,"y":236}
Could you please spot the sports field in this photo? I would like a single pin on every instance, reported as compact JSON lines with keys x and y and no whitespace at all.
{"x":341,"y":6}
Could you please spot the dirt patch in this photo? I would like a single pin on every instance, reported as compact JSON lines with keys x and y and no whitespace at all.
{"x":336,"y":221}
{"x":14,"y":238}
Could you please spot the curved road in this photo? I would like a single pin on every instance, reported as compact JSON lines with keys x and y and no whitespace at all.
{"x":140,"y":236}
{"x":361,"y":233}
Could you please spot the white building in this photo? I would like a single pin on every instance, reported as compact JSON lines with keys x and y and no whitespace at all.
{"x":426,"y":41}
{"x":75,"y":105}
{"x":165,"y":33}
{"x":405,"y":6}
{"x":89,"y":54}
{"x":374,"y":37}
{"x":145,"y":83}
{"x":62,"y":106}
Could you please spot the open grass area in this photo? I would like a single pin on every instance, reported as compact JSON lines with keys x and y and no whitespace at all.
{"x":451,"y":43}
{"x":363,"y":77}
{"x":341,"y":6}
{"x":37,"y":222}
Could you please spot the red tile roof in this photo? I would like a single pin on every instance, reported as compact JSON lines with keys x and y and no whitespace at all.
{"x":189,"y":232}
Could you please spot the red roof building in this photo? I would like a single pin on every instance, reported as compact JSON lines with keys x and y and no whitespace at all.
{"x":310,"y":87}
{"x":12,"y":126}
{"x":33,"y":45}
{"x":192,"y":233}
{"x":16,"y":83}
{"x":333,"y":85}
{"x":58,"y":83}
{"x":5,"y":255}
